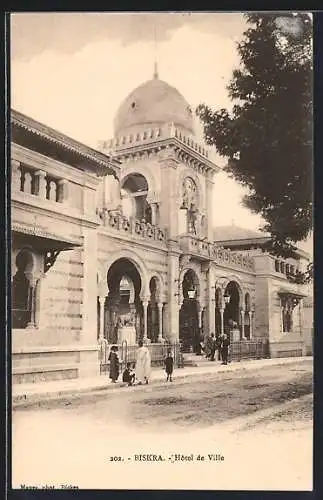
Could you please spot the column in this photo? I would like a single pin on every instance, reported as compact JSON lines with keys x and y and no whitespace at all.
{"x":242,"y":323}
{"x":301,"y":331}
{"x":200,"y":317}
{"x":101,"y":328}
{"x":41,"y":183}
{"x":145,"y":307}
{"x":160,"y":319}
{"x":28,"y":183}
{"x":282,"y":311}
{"x":250,"y":321}
{"x":63,"y":190}
{"x":173,"y":298}
{"x":33,"y":285}
{"x":15,"y":175}
{"x":222,"y":320}
{"x":52,"y":190}
{"x":154,"y":214}
{"x":211,"y":304}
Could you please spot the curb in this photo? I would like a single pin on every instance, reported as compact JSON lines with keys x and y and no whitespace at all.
{"x":26,"y":399}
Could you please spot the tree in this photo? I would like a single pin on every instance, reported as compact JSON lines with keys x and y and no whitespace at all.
{"x":267,"y":137}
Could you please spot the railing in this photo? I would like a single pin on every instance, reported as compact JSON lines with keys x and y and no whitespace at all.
{"x":153,"y":134}
{"x":192,"y":244}
{"x":249,"y":349}
{"x":127,"y":354}
{"x":131,"y":225}
{"x":38,"y":183}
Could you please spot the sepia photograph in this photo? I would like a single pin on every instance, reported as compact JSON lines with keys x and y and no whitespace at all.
{"x":161,"y":168}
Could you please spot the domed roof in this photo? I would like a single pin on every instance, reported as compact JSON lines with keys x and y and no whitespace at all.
{"x":151,"y":105}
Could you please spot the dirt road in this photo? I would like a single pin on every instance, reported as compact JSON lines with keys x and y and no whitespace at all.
{"x":259,"y":421}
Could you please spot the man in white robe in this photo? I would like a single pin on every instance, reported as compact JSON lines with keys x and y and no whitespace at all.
{"x":143,"y":364}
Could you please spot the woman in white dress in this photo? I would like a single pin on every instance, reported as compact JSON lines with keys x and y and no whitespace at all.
{"x":143,"y":364}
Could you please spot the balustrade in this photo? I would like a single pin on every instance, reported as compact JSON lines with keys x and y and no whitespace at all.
{"x":38,"y":183}
{"x":116,"y":220}
{"x":285,"y":268}
{"x":153,"y":134}
{"x":213,"y":252}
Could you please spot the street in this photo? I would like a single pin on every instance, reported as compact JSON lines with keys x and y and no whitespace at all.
{"x":259,"y":421}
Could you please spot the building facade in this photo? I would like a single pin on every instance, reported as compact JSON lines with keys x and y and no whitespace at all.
{"x":118,"y":244}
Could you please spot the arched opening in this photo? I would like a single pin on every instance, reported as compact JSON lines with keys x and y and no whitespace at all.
{"x":123,"y":311}
{"x":189,"y":328}
{"x":231,"y":317}
{"x":247,"y":316}
{"x":287,"y":313}
{"x":22,"y":291}
{"x":134,"y":191}
{"x":153,"y":312}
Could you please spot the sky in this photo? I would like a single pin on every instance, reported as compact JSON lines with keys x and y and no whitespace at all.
{"x":71,"y":71}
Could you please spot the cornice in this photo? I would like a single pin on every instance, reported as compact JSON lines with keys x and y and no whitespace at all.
{"x":177,"y":152}
{"x":153,"y":141}
{"x":39,"y":161}
{"x":109,"y":164}
{"x":35,"y":207}
{"x":140,"y":243}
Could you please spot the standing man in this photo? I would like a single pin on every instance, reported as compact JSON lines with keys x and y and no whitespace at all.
{"x":143,"y":364}
{"x":225,"y":349}
{"x":212,"y":347}
{"x":218,"y":342}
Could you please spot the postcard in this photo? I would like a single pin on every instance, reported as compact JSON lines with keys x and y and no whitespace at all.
{"x":161,"y":255}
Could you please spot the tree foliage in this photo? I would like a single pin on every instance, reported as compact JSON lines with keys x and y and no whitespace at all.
{"x":302,"y":278}
{"x":267,"y":136}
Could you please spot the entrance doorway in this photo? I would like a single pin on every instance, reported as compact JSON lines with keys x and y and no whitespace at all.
{"x":189,"y":328}
{"x":22,"y":291}
{"x":123,"y":311}
{"x":231,"y":317}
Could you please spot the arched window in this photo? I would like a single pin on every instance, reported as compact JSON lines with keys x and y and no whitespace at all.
{"x":21,"y":291}
{"x":134,"y":193}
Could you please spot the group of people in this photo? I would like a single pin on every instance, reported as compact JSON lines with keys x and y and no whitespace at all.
{"x":217,"y":346}
{"x":141,"y":371}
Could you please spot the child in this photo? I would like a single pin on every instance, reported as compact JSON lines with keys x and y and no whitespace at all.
{"x":128,"y":376}
{"x":169,"y":365}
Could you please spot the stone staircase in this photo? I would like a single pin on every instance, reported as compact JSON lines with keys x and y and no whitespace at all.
{"x":191,"y":359}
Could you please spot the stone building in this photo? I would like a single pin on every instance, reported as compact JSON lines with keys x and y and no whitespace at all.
{"x":119,"y":244}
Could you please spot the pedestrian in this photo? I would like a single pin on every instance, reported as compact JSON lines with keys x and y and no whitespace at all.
{"x":114,"y":364}
{"x":225,"y":349}
{"x":212,"y":347}
{"x":128,"y":375}
{"x":218,"y":346}
{"x":143,"y":364}
{"x":207,"y":346}
{"x":169,"y":365}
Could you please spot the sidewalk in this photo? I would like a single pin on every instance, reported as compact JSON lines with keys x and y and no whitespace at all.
{"x":23,"y":394}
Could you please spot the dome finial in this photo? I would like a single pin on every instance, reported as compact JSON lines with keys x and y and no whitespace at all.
{"x":155,"y":54}
{"x":155,"y":70}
